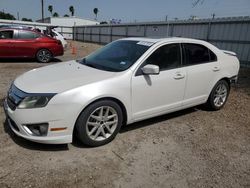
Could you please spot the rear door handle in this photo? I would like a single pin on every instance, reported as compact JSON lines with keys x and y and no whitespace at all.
{"x":179,"y":76}
{"x":215,"y":69}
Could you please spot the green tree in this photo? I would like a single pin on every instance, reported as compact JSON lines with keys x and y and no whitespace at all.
{"x":55,"y":14}
{"x":95,"y":10}
{"x":50,"y":9}
{"x":6,"y":16}
{"x":26,"y":19}
{"x":72,"y":10}
{"x":66,"y":15}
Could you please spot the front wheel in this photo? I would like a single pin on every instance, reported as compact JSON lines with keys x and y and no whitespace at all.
{"x":43,"y":56}
{"x":219,"y":95}
{"x":99,"y":123}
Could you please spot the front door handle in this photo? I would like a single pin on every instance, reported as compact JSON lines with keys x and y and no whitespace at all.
{"x":215,"y":69}
{"x":179,"y":76}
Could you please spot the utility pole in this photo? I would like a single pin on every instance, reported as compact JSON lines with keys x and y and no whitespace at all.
{"x":42,"y":11}
{"x":213,"y":15}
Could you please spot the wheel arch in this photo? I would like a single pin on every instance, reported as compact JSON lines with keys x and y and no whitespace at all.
{"x":119,"y":102}
{"x":227,"y":80}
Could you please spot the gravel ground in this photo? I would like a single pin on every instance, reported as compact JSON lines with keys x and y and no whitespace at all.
{"x":190,"y":148}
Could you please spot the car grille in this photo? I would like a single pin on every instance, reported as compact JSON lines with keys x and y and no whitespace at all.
{"x":13,"y":124}
{"x":11,"y":104}
{"x":15,"y":96}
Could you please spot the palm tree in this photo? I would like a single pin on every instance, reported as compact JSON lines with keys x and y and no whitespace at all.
{"x":50,"y":9}
{"x":95,"y":10}
{"x":72,"y":10}
{"x":55,"y":14}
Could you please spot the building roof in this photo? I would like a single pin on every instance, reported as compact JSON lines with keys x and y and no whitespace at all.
{"x":67,"y":18}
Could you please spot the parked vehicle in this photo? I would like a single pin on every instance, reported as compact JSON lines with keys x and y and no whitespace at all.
{"x":126,"y":81}
{"x":53,"y":33}
{"x":20,"y":43}
{"x":60,"y":37}
{"x":50,"y":31}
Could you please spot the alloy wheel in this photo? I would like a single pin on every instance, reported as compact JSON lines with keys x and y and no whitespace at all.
{"x":220,"y":95}
{"x":44,"y":56}
{"x":102,"y":123}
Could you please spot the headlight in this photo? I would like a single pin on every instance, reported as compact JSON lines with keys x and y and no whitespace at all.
{"x":35,"y":101}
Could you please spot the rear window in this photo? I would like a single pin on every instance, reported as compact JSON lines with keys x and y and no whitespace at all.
{"x":27,"y":35}
{"x":197,"y":54}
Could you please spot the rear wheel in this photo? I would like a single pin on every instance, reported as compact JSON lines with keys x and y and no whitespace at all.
{"x":99,"y":123}
{"x":43,"y":56}
{"x":219,"y":95}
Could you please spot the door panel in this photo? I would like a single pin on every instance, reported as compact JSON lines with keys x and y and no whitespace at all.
{"x":24,"y":47}
{"x":6,"y":43}
{"x":200,"y":80}
{"x":202,"y":71}
{"x":157,"y":94}
{"x":25,"y":44}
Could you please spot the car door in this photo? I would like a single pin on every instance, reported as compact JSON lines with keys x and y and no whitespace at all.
{"x":157,"y":94}
{"x":6,"y":43}
{"x":25,"y":44}
{"x":202,"y":71}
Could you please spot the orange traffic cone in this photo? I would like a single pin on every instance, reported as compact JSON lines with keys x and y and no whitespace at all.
{"x":73,"y":52}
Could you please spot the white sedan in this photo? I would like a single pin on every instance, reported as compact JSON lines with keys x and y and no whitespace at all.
{"x":126,"y":81}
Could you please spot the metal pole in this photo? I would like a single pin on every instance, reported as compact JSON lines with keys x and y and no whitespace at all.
{"x":42,"y":11}
{"x":208,"y":30}
{"x":168,"y":28}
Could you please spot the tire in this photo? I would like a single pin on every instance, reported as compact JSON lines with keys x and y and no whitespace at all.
{"x":99,"y":123}
{"x":43,"y":56}
{"x":218,"y":97}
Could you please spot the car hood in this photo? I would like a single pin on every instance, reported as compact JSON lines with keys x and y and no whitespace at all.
{"x":60,"y":77}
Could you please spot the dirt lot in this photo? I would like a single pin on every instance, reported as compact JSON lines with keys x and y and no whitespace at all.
{"x":191,"y":148}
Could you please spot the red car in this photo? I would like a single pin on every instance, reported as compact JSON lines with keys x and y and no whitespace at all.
{"x":16,"y":43}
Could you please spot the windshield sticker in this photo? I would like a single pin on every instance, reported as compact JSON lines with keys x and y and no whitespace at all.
{"x":123,"y":63}
{"x":145,"y":43}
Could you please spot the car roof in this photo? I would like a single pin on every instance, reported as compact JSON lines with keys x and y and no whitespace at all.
{"x":167,"y":39}
{"x":4,"y":29}
{"x":7,"y":29}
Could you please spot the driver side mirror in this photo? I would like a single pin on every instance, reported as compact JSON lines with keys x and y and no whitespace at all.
{"x":150,"y":69}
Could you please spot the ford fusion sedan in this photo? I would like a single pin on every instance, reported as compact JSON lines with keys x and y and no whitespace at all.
{"x":21,"y":43}
{"x":126,"y":81}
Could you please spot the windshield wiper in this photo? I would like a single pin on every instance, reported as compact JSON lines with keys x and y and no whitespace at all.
{"x":90,"y":65}
{"x":83,"y":62}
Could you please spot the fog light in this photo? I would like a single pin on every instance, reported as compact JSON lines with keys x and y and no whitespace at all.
{"x":40,"y":129}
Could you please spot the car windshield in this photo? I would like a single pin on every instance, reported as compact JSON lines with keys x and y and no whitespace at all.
{"x":117,"y":56}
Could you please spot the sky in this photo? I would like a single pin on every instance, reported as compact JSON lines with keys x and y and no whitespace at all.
{"x":129,"y":10}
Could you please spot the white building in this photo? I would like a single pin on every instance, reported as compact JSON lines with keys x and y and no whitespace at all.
{"x":65,"y":24}
{"x":68,"y":21}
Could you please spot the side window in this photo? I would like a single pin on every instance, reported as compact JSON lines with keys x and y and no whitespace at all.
{"x":166,"y":57}
{"x":212,"y":56}
{"x":196,"y":54}
{"x":6,"y":34}
{"x":27,"y":35}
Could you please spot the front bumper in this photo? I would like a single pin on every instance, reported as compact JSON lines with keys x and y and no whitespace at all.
{"x":18,"y":118}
